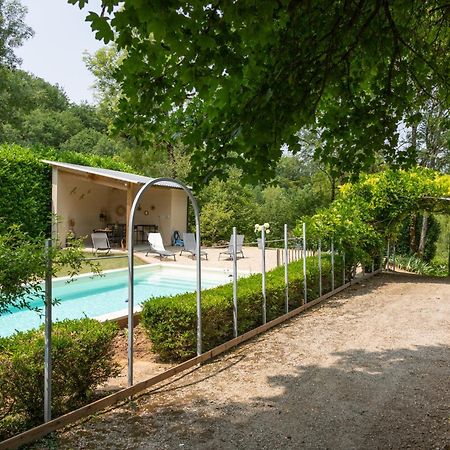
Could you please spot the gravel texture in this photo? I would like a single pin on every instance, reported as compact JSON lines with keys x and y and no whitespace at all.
{"x":367,"y":369}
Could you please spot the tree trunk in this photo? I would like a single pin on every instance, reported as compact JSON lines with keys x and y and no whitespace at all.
{"x":171,"y":157}
{"x":412,"y":234}
{"x":423,"y":235}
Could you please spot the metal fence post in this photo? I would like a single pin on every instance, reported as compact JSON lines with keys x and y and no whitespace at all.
{"x":48,"y":334}
{"x":388,"y":255}
{"x":263,"y":267}
{"x":235,"y":305}
{"x":343,"y":268}
{"x":332,"y":265}
{"x":286,"y":269}
{"x":393,"y":258}
{"x":305,"y":287}
{"x":319,"y":256}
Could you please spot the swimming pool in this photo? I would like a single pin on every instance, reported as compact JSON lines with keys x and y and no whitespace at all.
{"x":106,"y":296}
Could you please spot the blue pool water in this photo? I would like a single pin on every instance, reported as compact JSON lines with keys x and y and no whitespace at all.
{"x":88,"y":296}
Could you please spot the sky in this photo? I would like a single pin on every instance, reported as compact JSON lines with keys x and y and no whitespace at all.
{"x":55,"y":53}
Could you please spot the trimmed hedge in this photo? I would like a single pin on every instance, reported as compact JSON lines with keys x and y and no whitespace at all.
{"x":25,"y":184}
{"x":82,"y":354}
{"x":170,"y":322}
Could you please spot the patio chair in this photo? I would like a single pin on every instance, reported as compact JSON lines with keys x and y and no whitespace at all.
{"x":157,"y":246}
{"x":190,"y":246}
{"x":239,"y":244}
{"x":100,"y":242}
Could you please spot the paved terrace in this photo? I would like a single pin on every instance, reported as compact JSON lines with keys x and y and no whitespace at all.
{"x":251,"y":262}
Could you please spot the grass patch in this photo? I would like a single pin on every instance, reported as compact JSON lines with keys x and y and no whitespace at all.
{"x":104,"y":263}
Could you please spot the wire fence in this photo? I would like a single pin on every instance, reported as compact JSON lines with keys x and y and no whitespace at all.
{"x":288,"y":250}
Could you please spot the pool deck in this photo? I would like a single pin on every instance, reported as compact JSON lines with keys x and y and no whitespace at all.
{"x":251,"y":262}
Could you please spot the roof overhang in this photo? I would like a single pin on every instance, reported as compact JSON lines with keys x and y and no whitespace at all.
{"x":108,"y":177}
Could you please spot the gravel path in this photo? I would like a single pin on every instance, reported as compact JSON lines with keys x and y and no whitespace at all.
{"x":367,"y":369}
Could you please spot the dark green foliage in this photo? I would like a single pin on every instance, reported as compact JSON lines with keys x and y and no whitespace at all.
{"x":25,"y":184}
{"x":25,"y":190}
{"x":82,"y":360}
{"x":262,"y":71}
{"x":403,"y":243}
{"x":171,"y":321}
{"x":13,"y":31}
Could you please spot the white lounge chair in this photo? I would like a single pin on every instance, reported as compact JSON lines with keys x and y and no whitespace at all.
{"x":157,"y":246}
{"x":239,"y":244}
{"x":100,"y":242}
{"x":190,"y":245}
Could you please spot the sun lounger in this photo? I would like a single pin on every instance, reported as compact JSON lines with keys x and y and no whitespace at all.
{"x":190,"y":246}
{"x":157,"y":246}
{"x":239,"y":244}
{"x":100,"y":242}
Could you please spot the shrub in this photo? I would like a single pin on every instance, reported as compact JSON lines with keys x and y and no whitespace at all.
{"x":417,"y":265}
{"x":170,"y":322}
{"x":81,"y":360}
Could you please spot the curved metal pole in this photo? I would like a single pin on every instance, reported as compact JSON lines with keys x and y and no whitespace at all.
{"x":130,"y":244}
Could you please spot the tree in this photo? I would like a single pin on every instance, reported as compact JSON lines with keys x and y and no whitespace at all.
{"x":13,"y":31}
{"x":249,"y":76}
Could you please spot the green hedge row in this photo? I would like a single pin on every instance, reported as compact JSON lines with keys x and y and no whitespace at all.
{"x":170,"y":322}
{"x":82,"y":354}
{"x":25,"y":184}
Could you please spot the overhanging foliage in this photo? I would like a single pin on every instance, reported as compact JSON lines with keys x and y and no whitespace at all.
{"x":371,"y":210}
{"x":237,"y":79}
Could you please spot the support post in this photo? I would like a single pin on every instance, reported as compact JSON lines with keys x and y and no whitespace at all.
{"x":286,"y":269}
{"x":305,"y":287}
{"x":263,"y":268}
{"x":343,"y":268}
{"x":235,"y":305}
{"x":393,"y":258}
{"x":130,"y":191}
{"x":332,"y":264}
{"x":48,"y":334}
{"x":388,"y":258}
{"x":319,"y":256}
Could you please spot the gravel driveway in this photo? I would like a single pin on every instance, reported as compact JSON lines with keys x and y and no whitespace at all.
{"x":367,"y":369}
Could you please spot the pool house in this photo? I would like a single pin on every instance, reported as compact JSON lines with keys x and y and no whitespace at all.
{"x":87,"y":199}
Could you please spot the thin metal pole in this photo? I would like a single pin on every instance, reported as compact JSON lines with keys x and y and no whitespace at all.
{"x":235,"y":304}
{"x":48,"y":334}
{"x":332,"y":264}
{"x":305,"y":287}
{"x":343,"y":268}
{"x":130,"y":244}
{"x":393,"y":258}
{"x":263,"y":268}
{"x":286,"y":269}
{"x":319,"y":255}
{"x":388,"y":255}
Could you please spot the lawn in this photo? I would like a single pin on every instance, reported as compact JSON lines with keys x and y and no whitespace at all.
{"x":105,"y":263}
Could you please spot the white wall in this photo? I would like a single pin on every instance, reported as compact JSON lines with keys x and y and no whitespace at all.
{"x":78,"y":203}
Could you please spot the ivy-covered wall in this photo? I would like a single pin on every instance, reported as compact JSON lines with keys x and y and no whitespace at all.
{"x":25,"y":184}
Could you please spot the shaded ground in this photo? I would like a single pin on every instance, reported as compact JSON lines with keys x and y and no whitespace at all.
{"x":369,"y":368}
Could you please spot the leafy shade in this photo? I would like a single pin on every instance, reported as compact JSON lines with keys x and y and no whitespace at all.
{"x":371,"y":210}
{"x":248,"y":76}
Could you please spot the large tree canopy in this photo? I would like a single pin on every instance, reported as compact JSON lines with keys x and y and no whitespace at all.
{"x":13,"y":31}
{"x":247,"y":76}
